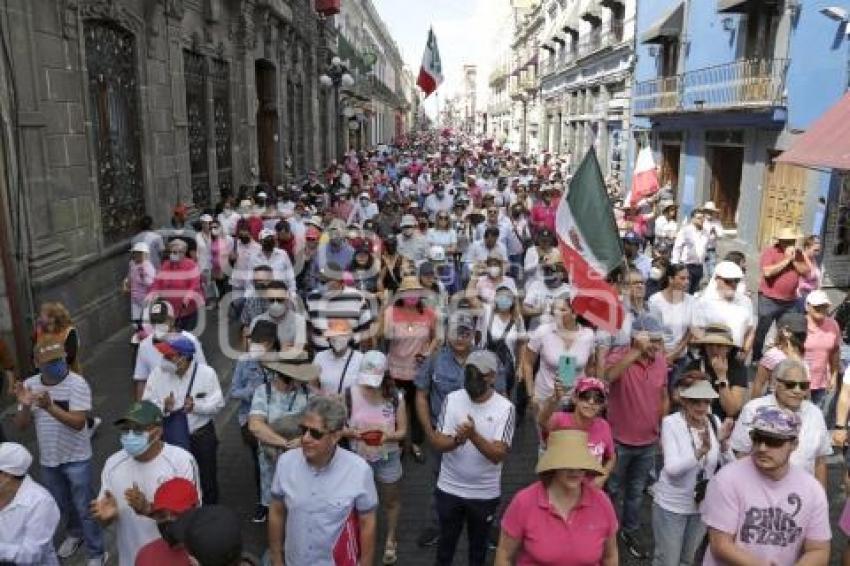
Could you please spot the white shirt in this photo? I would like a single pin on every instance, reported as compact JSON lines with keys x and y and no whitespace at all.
{"x":332,"y":367}
{"x":497,"y":327}
{"x":148,"y":357}
{"x":242,"y":275}
{"x":445,"y":238}
{"x":665,"y":228}
{"x":478,"y":252}
{"x":532,"y":263}
{"x":737,"y":314}
{"x":814,"y":439}
{"x":690,"y":246}
{"x":675,"y":317}
{"x":433,"y":205}
{"x":206,"y":392}
{"x":27,"y":525}
{"x":228,"y":219}
{"x":279,"y":263}
{"x":121,"y":472}
{"x":360,"y":214}
{"x":464,"y":471}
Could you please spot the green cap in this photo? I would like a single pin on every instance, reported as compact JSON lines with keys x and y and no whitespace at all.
{"x":143,"y":413}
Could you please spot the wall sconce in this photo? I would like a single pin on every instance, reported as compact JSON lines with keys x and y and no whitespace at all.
{"x":728,"y":24}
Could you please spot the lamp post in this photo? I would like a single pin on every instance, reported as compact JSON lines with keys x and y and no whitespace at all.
{"x":336,"y":76}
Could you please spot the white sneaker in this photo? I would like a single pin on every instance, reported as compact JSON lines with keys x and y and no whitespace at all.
{"x":69,"y":547}
{"x":99,"y":561}
{"x":95,"y":423}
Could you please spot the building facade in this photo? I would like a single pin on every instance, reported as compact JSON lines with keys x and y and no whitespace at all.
{"x":116,"y":109}
{"x":524,"y":83}
{"x":722,"y":87}
{"x":587,"y":59}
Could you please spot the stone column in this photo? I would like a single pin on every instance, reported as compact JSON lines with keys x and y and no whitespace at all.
{"x":178,"y":144}
{"x":245,"y":165}
{"x":604,"y":98}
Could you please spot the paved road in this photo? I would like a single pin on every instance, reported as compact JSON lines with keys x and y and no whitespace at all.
{"x":109,"y":368}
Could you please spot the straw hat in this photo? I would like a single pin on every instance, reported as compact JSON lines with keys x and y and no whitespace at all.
{"x":410,"y":283}
{"x":700,"y":389}
{"x":567,"y":450}
{"x":787,"y":233}
{"x":716,"y":333}
{"x":297,"y":366}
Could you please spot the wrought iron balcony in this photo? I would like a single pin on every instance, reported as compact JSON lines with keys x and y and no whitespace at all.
{"x":599,"y":38}
{"x":752,"y":83}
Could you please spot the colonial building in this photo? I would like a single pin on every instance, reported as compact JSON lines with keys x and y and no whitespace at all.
{"x":114,"y":109}
{"x":524,"y":83}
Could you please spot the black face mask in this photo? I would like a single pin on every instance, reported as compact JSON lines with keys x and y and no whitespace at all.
{"x":390,"y":248}
{"x":244,"y":239}
{"x":164,"y":529}
{"x":475,"y":385}
{"x":268,"y":246}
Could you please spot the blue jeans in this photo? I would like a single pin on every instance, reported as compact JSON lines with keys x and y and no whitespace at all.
{"x":629,"y":479}
{"x":769,"y":311}
{"x":71,"y":486}
{"x":677,"y":537}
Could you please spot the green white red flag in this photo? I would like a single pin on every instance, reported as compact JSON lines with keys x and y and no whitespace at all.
{"x":590,"y":245}
{"x":431,"y":71}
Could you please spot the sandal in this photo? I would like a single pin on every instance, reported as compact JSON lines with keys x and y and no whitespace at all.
{"x":390,"y":552}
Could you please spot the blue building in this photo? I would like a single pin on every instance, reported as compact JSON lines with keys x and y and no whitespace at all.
{"x":721,"y":88}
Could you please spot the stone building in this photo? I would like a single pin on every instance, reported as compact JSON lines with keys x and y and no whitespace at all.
{"x":114,"y":109}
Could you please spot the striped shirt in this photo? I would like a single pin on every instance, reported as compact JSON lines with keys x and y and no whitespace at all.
{"x":347,"y":304}
{"x":57,"y":442}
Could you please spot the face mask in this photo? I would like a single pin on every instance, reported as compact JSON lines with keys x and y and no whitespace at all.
{"x":167,"y":366}
{"x":504,"y":302}
{"x":475,"y":386}
{"x":160,"y":330}
{"x":494,"y":271}
{"x":215,"y":231}
{"x":554,"y":280}
{"x":277,"y":310}
{"x":338,"y":343}
{"x":175,"y":257}
{"x":410,"y":302}
{"x":440,"y":194}
{"x":244,"y":239}
{"x":390,"y":248}
{"x":135,"y":443}
{"x":407,"y":232}
{"x":54,"y":372}
{"x":164,"y":529}
{"x":656,"y":273}
{"x":256,"y":348}
{"x":268,"y":246}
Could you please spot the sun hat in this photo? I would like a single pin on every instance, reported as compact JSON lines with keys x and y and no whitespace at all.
{"x":590,"y":384}
{"x":699,"y":389}
{"x":776,"y":421}
{"x":728,"y":270}
{"x":15,"y":460}
{"x":407,"y":221}
{"x":142,"y":413}
{"x":788,"y":233}
{"x":567,"y":450}
{"x":296,"y":365}
{"x":177,"y":495}
{"x":818,"y":298}
{"x":141,"y":247}
{"x":709,"y":207}
{"x":410,"y":283}
{"x":48,"y":349}
{"x":206,"y":218}
{"x":437,"y":253}
{"x":372,"y":368}
{"x":338,"y":327}
{"x":716,"y":333}
{"x":485,"y":360}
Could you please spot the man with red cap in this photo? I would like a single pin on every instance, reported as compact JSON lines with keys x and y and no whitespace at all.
{"x":172,"y":499}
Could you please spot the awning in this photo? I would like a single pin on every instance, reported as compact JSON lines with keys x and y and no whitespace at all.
{"x":670,"y":25}
{"x":826,"y":143}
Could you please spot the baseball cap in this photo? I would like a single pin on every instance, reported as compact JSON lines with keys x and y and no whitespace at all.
{"x":160,"y":312}
{"x":372,"y":368}
{"x":464,"y":321}
{"x":48,"y":350}
{"x":266,"y":233}
{"x":206,"y":218}
{"x":485,"y":360}
{"x":632,"y":237}
{"x":407,"y":220}
{"x":141,"y":247}
{"x":590,"y":384}
{"x":180,"y":346}
{"x":776,"y":421}
{"x":728,"y":270}
{"x":177,"y":495}
{"x":142,"y":413}
{"x":648,"y":324}
{"x":15,"y":460}
{"x":818,"y":298}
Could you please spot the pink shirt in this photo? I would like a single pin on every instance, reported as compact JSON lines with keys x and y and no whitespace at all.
{"x":141,"y":276}
{"x":782,"y":287}
{"x":821,"y":341}
{"x":634,"y":404}
{"x":543,"y":216}
{"x":180,"y":283}
{"x":547,"y":539}
{"x":409,"y":333}
{"x":769,"y":519}
{"x":599,"y":439}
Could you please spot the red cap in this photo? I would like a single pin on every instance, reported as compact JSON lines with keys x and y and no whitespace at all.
{"x":165,"y":349}
{"x":177,"y":495}
{"x":181,"y":209}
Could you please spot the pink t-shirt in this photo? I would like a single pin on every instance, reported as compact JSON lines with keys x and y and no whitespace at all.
{"x":549,"y":540}
{"x":821,"y":340}
{"x":599,"y":438}
{"x":634,"y":403}
{"x":783,"y":286}
{"x":409,"y":333}
{"x":769,"y":519}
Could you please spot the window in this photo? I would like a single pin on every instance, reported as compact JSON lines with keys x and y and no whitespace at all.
{"x":195,"y":73}
{"x":761,"y":21}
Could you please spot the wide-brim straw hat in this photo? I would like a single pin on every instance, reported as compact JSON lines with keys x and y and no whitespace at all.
{"x":700,"y":389}
{"x":295,"y":365}
{"x":567,"y":450}
{"x":718,"y":334}
{"x":410,"y":283}
{"x":788,"y":233}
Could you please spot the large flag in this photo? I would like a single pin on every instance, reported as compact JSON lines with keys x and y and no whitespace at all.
{"x":590,"y":245}
{"x":431,"y":71}
{"x":645,"y":177}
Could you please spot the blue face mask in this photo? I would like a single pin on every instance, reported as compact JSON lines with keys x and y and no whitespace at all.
{"x":54,"y":372}
{"x":135,"y":443}
{"x":504,"y":302}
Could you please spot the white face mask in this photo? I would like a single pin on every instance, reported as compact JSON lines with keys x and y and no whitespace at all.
{"x":494,"y":271}
{"x":215,"y":231}
{"x":277,"y":309}
{"x":160,"y":330}
{"x":175,"y":256}
{"x":256,"y":348}
{"x":167,"y":366}
{"x":656,"y":273}
{"x":338,"y":343}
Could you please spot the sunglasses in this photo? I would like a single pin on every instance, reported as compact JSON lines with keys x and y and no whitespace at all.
{"x":769,"y":441}
{"x":594,"y":397}
{"x":315,"y":433}
{"x":730,"y":282}
{"x":791,"y":384}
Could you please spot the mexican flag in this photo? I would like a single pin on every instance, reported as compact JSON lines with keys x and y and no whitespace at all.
{"x":590,"y":245}
{"x":645,"y":177}
{"x":431,"y":71}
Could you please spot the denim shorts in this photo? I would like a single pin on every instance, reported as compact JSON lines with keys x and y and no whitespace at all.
{"x":387,"y":470}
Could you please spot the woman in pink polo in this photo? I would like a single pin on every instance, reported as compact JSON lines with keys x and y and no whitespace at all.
{"x":582,"y":413}
{"x":563,"y":519}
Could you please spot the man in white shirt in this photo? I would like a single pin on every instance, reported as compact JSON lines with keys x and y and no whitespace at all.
{"x":474,"y":434}
{"x":438,"y":201}
{"x":131,"y":476}
{"x":188,"y":391}
{"x":364,"y":210}
{"x":28,"y":514}
{"x":480,"y":250}
{"x":276,"y":258}
{"x":713,"y":230}
{"x":722,"y":302}
{"x":689,"y":248}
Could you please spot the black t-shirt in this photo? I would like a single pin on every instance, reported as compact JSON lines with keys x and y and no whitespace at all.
{"x":736,"y":376}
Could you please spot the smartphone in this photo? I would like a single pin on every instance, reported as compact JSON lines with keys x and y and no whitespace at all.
{"x":567,"y":370}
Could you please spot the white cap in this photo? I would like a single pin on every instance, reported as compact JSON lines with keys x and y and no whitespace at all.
{"x":407,"y":220}
{"x":817,"y":298}
{"x":372,"y":369}
{"x":15,"y":460}
{"x":261,"y":194}
{"x":728,"y":270}
{"x":266,"y":233}
{"x":437,"y":253}
{"x":206,"y":218}
{"x":141,"y":247}
{"x":245,"y":203}
{"x":485,"y":360}
{"x":710,"y":206}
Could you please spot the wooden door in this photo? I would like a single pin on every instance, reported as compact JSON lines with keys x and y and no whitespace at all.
{"x":727,"y":164}
{"x":783,"y":199}
{"x":670,"y":165}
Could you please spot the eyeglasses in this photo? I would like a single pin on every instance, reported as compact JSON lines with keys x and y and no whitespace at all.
{"x":767,"y":440}
{"x":315,"y":433}
{"x":594,"y":397}
{"x":791,"y":384}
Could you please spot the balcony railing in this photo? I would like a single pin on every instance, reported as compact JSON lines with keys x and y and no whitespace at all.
{"x":753,"y":83}
{"x":599,"y":38}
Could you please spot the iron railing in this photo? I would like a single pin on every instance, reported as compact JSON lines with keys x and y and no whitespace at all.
{"x":750,"y":83}
{"x":599,"y":38}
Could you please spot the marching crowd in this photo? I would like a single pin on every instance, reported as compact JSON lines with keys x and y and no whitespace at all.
{"x":410,"y":305}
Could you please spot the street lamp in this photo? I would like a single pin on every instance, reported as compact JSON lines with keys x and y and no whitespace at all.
{"x":336,"y":76}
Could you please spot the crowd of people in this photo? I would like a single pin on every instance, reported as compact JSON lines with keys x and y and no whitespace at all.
{"x":411,"y":306}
